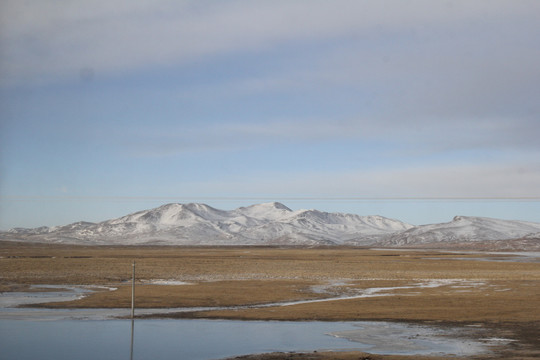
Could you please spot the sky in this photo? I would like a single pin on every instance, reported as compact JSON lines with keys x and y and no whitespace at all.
{"x":417,"y":110}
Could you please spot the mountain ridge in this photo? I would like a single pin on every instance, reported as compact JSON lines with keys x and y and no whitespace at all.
{"x":275,"y":224}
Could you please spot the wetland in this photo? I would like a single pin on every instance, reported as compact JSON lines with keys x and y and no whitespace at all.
{"x":250,"y":285}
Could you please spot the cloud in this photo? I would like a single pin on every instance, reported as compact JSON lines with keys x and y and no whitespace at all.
{"x":49,"y":40}
{"x":444,"y":181}
{"x":420,"y":76}
{"x":497,"y":138}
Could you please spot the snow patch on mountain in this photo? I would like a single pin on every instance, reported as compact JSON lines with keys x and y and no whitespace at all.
{"x":275,"y":224}
{"x":464,"y":229}
{"x":200,"y":224}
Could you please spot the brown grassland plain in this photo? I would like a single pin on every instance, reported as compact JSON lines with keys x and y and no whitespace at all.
{"x":503,"y":296}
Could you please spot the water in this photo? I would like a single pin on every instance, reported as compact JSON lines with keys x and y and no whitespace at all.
{"x":522,"y":257}
{"x":505,"y":256}
{"x":10,"y":300}
{"x":61,"y":334}
{"x":52,"y":293}
{"x":214,"y":339}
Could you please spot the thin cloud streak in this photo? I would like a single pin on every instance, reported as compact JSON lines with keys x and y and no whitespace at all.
{"x":495,"y":181}
{"x":425,"y":137}
{"x":450,"y":182}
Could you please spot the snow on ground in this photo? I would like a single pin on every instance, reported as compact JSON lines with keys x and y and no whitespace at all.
{"x":165,"y":282}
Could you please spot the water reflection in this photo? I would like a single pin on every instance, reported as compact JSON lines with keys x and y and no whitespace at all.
{"x":132,"y":333}
{"x":215,"y":339}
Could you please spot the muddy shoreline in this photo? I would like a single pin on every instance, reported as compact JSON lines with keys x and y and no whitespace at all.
{"x":526,"y":346}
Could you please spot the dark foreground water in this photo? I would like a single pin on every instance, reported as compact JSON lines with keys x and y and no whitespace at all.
{"x":214,"y":339}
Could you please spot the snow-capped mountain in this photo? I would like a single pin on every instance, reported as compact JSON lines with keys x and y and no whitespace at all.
{"x":199,"y":224}
{"x":276,"y":224}
{"x":464,"y":229}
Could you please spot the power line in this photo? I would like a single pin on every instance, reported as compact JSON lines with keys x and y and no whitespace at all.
{"x":264,"y":198}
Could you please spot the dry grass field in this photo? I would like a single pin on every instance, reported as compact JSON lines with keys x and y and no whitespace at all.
{"x":427,"y":286}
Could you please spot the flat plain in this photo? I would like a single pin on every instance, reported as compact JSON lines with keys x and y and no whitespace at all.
{"x":252,"y":283}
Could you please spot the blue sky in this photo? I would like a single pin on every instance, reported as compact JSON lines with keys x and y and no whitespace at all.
{"x":418,"y":110}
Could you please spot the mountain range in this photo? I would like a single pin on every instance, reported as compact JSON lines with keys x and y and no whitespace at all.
{"x":275,"y":224}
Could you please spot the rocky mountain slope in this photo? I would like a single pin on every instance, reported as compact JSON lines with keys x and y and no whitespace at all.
{"x":276,"y":224}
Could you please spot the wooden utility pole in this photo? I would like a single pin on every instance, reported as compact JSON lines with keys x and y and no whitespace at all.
{"x":133,"y":292}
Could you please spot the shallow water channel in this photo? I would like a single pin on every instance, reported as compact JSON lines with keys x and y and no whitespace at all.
{"x":27,"y":333}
